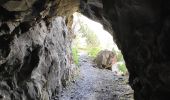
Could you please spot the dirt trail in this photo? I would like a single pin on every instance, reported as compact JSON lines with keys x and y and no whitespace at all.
{"x":97,"y":84}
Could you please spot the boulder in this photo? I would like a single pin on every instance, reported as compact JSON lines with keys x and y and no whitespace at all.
{"x":105,"y":59}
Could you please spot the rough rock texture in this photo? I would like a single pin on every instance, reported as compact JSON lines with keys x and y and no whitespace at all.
{"x":141,"y":30}
{"x":35,"y":51}
{"x":32,"y":53}
{"x":35,"y":64}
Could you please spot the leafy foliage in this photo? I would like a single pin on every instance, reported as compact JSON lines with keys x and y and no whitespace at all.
{"x":92,"y":52}
{"x":91,"y":38}
{"x":120,"y":61}
{"x":122,"y":67}
{"x":75,"y":55}
{"x":119,"y":56}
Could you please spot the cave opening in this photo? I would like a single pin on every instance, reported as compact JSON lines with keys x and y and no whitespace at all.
{"x":93,"y":48}
{"x":91,"y":38}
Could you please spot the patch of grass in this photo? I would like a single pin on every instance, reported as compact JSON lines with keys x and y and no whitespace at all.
{"x":75,"y":55}
{"x":93,"y":51}
{"x":122,"y":67}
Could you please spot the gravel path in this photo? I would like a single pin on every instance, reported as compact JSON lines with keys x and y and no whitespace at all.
{"x":97,"y":84}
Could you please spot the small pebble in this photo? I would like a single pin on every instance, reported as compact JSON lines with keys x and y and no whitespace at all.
{"x":71,"y":97}
{"x":1,"y":97}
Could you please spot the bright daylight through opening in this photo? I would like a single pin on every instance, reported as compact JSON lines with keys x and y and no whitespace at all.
{"x":91,"y":38}
{"x":101,"y":72}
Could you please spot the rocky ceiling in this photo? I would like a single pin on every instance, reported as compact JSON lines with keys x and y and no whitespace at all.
{"x":35,"y":44}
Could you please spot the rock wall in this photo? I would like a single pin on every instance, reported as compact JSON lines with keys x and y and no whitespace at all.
{"x":35,"y":49}
{"x":34,"y":64}
{"x":141,"y":30}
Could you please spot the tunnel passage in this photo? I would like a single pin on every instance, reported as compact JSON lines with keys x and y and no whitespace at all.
{"x":140,"y":27}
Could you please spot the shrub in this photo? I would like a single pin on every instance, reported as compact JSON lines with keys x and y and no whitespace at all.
{"x":75,"y":55}
{"x":91,"y":37}
{"x":119,"y":56}
{"x":120,"y":61}
{"x":122,"y":67}
{"x":93,"y":51}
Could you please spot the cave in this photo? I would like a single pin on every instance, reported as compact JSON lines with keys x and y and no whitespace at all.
{"x":35,"y":38}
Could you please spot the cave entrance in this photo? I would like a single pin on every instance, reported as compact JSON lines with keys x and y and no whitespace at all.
{"x":91,"y":38}
{"x":94,"y":82}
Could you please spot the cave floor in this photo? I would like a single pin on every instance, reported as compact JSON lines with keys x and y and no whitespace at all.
{"x":97,"y":84}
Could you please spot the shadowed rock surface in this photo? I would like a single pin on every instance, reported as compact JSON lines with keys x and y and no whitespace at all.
{"x":141,"y":30}
{"x":32,"y":53}
{"x":37,"y":63}
{"x":35,"y":52}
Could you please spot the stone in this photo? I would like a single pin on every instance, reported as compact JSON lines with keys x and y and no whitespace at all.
{"x":21,"y":5}
{"x":36,"y":61}
{"x":104,"y":59}
{"x":35,"y":50}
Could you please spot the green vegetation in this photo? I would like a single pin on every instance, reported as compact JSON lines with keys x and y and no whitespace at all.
{"x":91,"y":38}
{"x":75,"y":55}
{"x":120,"y":61}
{"x":93,"y":43}
{"x":90,"y":44}
{"x":92,"y":52}
{"x":122,"y":67}
{"x":119,"y":56}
